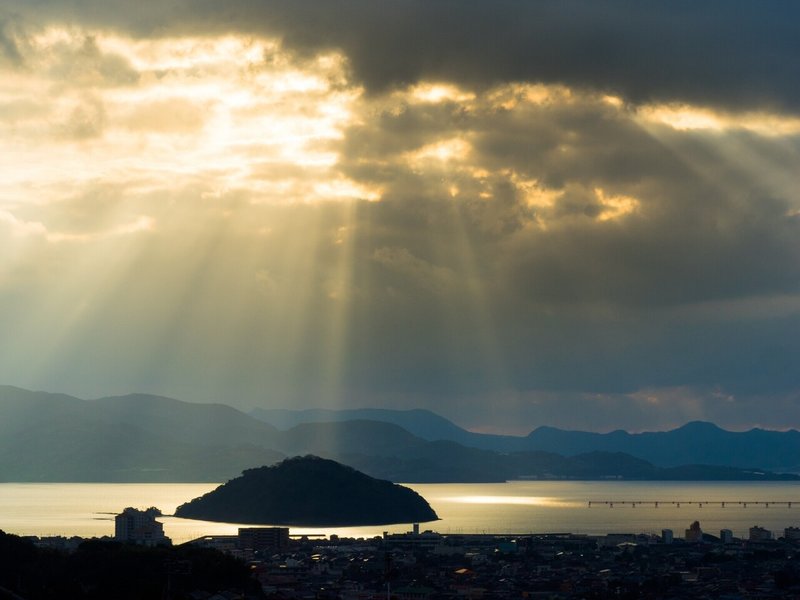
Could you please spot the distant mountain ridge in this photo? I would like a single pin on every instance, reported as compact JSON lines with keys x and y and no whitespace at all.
{"x":697,"y":442}
{"x":55,"y":437}
{"x":423,"y":423}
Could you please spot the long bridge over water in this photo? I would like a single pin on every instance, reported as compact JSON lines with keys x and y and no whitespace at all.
{"x":698,"y":503}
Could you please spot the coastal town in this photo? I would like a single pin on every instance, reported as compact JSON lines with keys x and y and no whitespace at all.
{"x":426,"y":565}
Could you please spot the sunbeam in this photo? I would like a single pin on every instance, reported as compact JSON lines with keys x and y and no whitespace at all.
{"x":236,"y":208}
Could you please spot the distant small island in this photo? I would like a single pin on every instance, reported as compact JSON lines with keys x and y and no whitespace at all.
{"x":309,"y":491}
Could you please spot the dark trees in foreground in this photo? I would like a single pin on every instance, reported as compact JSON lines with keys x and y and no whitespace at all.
{"x":111,"y":570}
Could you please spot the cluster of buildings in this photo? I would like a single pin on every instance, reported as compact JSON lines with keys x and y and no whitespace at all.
{"x":131,"y":526}
{"x":249,"y":543}
{"x":430,"y":566}
{"x":756,"y":534}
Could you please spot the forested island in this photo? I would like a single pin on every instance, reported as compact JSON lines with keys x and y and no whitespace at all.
{"x":309,"y":491}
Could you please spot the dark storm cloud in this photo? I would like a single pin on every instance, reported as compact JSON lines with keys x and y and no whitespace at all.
{"x":571,"y":296}
{"x":733,"y":53}
{"x":698,"y":254}
{"x":10,"y":41}
{"x":404,"y":339}
{"x":540,"y":250}
{"x":703,"y":228}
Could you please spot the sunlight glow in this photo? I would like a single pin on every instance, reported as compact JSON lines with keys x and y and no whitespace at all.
{"x":535,"y":195}
{"x":346,"y":189}
{"x":205,"y":200}
{"x":20,"y":228}
{"x":435,"y":93}
{"x":615,"y":206}
{"x":443,"y":151}
{"x":136,"y":165}
{"x":517,"y":500}
{"x":684,"y":117}
{"x":174,"y":109}
{"x":614,"y":101}
{"x":509,"y":97}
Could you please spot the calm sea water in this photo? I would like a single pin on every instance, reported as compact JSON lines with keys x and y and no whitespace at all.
{"x":87,"y":509}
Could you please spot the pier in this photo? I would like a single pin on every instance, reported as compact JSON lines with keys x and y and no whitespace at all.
{"x":697,"y":503}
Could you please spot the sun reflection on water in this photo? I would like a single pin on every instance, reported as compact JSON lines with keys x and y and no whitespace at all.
{"x":517,"y":500}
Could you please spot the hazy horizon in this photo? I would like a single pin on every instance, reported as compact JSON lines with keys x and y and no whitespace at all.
{"x":577,"y":214}
{"x":521,"y":430}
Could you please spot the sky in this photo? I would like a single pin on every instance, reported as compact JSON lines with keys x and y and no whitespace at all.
{"x":580,"y":214}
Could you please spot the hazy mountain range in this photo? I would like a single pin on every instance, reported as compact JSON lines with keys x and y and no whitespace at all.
{"x":55,"y":437}
{"x":697,"y":442}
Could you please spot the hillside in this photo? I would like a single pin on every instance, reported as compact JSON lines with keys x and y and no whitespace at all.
{"x":696,"y":442}
{"x":82,"y":452}
{"x":424,"y":424}
{"x":309,"y":491}
{"x":194,"y":423}
{"x":55,"y":437}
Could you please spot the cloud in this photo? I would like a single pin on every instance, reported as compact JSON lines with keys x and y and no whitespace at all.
{"x":643,"y":410}
{"x":538,"y":208}
{"x":11,"y":39}
{"x":24,"y":229}
{"x":685,"y":255}
{"x":421,"y":273}
{"x":81,"y":63}
{"x":578,"y":204}
{"x":644,"y":52}
{"x":598,"y":243}
{"x":141,"y":224}
{"x":170,"y":115}
{"x":86,"y":120}
{"x":19,"y":227}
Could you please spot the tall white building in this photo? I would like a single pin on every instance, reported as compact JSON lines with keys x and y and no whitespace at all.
{"x":140,"y":527}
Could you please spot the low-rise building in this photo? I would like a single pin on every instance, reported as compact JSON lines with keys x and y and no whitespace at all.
{"x":791,"y":534}
{"x":264,"y":539}
{"x":759,"y":534}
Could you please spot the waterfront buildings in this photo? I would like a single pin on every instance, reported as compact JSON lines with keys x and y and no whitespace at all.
{"x":263,"y":539}
{"x":429,"y":566}
{"x":792,"y":533}
{"x":726,"y":536}
{"x":140,"y":527}
{"x":759,"y":534}
{"x":694,"y":533}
